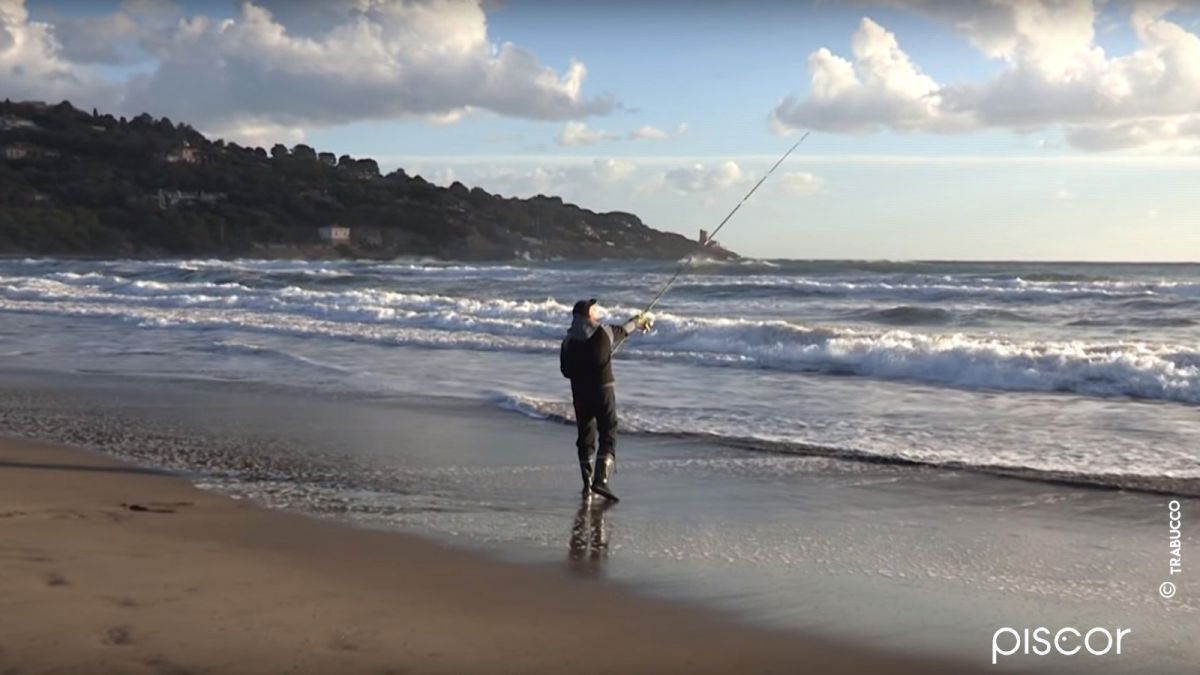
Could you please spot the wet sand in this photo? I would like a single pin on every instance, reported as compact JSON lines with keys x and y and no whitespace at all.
{"x":110,"y":568}
{"x":913,"y":561}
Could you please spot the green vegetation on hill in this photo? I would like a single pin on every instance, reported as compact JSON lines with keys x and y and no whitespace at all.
{"x":74,"y":182}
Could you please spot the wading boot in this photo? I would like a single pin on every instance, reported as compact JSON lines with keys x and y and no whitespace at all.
{"x":605,"y":465}
{"x":585,"y":468}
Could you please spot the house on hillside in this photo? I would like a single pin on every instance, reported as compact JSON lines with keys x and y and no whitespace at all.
{"x":334,"y":234}
{"x":13,"y":123}
{"x":28,"y":151}
{"x":171,"y":198}
{"x":185,"y":154}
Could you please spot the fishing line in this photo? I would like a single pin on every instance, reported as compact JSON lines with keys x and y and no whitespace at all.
{"x":687,"y":262}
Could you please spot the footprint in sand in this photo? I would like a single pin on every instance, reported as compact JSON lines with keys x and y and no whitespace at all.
{"x":122,"y":602}
{"x":118,"y":635}
{"x":61,"y":514}
{"x":342,"y":643}
{"x":155,"y":507}
{"x":56,"y":579}
{"x":162,"y":666}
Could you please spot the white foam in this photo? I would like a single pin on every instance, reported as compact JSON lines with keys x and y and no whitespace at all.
{"x":1033,"y":455}
{"x":976,"y":361}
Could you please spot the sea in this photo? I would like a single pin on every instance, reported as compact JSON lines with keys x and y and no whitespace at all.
{"x":1078,"y":372}
{"x":903,"y":454}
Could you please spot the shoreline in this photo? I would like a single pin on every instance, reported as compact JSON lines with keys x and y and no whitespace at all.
{"x":1150,"y":485}
{"x":127,"y":569}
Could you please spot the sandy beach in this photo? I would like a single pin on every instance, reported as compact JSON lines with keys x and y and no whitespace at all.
{"x":109,"y":568}
{"x":435,"y":535}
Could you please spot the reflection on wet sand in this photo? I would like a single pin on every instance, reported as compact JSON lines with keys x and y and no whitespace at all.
{"x":588,"y":549}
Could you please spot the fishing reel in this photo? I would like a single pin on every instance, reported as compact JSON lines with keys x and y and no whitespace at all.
{"x":643,"y":322}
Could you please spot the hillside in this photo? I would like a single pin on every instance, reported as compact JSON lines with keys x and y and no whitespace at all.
{"x":80,"y":183}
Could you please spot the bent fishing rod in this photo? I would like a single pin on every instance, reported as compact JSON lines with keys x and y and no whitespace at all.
{"x":687,"y":262}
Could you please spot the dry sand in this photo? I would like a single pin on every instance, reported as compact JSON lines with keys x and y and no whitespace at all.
{"x":108,"y":568}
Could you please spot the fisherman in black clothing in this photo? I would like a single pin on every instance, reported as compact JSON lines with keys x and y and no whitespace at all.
{"x":586,"y":359}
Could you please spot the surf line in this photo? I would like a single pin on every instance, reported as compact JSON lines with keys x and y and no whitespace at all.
{"x":687,"y":262}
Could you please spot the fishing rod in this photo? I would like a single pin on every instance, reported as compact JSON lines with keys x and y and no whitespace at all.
{"x":711,"y":237}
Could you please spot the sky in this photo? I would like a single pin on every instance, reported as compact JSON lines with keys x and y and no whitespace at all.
{"x":940,"y":129}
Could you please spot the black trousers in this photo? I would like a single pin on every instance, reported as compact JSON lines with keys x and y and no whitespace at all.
{"x":595,"y":411}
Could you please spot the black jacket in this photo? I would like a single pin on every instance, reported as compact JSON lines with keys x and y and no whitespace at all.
{"x":586,"y":355}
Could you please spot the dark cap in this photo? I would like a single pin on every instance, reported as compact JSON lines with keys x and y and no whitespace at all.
{"x":582,"y":307}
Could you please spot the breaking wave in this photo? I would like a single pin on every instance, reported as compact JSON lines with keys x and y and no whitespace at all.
{"x":633,"y":422}
{"x":921,"y":338}
{"x":429,"y":319}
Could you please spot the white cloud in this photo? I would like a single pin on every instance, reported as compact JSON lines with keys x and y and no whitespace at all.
{"x":652,"y":133}
{"x":647,"y":132}
{"x":114,"y":38}
{"x":578,"y":133}
{"x":258,"y":134}
{"x":1178,"y":133}
{"x":96,"y":40}
{"x":705,"y":178}
{"x":389,"y":59}
{"x":364,"y":60}
{"x":444,"y":176}
{"x":613,"y":170}
{"x":578,"y":179}
{"x":1055,"y":35}
{"x":801,"y":184}
{"x":881,"y":87}
{"x":32,"y":65}
{"x":1054,"y":76}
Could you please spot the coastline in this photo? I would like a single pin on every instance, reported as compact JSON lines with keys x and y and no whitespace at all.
{"x":115,"y":568}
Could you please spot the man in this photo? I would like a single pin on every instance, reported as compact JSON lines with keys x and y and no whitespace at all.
{"x":586,"y":358}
